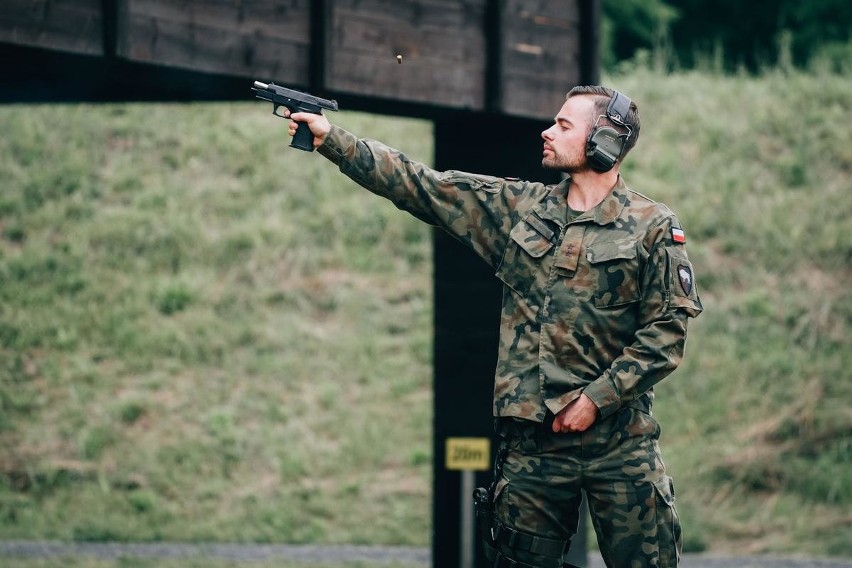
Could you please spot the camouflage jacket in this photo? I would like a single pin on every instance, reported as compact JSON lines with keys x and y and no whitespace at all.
{"x":597,"y":304}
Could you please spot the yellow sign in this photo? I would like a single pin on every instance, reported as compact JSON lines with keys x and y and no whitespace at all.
{"x":469,"y":453}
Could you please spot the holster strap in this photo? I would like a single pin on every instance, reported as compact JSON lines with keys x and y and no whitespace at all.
{"x":497,"y":559}
{"x":501,"y":561}
{"x":517,"y":540}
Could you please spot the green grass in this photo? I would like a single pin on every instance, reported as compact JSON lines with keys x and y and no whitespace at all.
{"x":208,"y":336}
{"x":82,"y":562}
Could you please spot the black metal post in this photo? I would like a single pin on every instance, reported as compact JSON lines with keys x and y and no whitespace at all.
{"x":467,"y":312}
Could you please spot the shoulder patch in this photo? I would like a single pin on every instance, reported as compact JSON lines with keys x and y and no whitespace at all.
{"x":678,"y":235}
{"x":684,"y":273}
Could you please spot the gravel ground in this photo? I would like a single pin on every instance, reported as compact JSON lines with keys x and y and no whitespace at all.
{"x":377,"y":555}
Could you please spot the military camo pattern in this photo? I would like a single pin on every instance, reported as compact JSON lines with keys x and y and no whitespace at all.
{"x":617,"y":462}
{"x":594,"y":304}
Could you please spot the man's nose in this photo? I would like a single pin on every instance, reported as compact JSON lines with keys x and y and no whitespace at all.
{"x":546,"y":134}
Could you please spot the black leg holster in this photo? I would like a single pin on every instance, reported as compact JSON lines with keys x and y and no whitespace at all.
{"x":501,"y":543}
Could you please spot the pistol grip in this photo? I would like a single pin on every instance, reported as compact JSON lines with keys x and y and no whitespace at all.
{"x":304,"y":138}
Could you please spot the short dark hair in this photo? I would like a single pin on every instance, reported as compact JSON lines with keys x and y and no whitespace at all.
{"x":602,"y":97}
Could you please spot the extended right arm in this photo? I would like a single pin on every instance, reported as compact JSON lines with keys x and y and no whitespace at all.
{"x":478,"y":210}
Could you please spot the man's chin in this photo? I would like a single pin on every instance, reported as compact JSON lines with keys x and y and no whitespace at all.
{"x":551,"y":166}
{"x":565,"y":168}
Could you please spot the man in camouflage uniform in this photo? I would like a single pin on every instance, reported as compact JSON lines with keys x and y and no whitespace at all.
{"x":597,"y":292}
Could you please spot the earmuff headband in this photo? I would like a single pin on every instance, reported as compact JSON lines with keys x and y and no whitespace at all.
{"x":619,"y":106}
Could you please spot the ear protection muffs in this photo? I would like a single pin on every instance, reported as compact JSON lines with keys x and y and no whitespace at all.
{"x":605,"y":144}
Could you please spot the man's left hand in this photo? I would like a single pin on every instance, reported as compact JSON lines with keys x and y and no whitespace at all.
{"x":578,"y":416}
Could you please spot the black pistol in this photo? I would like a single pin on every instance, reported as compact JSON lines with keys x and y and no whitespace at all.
{"x":294,"y":101}
{"x":483,"y":512}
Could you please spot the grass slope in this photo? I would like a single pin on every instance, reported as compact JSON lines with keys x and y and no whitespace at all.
{"x":205,"y":335}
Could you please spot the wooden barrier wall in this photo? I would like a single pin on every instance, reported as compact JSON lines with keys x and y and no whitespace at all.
{"x":514,"y":57}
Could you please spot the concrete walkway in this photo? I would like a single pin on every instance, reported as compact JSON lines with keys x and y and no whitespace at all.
{"x":375,"y":555}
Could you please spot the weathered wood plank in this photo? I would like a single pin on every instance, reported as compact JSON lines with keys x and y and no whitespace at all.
{"x":65,"y":25}
{"x":419,"y":13}
{"x":442,"y":44}
{"x":447,"y":60}
{"x":276,"y":18}
{"x":540,"y":55}
{"x":267,"y":40}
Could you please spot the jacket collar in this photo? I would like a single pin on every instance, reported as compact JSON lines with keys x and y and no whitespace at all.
{"x":608,"y":210}
{"x":555,"y":204}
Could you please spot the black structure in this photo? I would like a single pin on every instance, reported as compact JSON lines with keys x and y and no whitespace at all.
{"x":467,"y":311}
{"x":467,"y":295}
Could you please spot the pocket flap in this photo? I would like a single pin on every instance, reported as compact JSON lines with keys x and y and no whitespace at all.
{"x":529,"y":239}
{"x":602,"y":252}
{"x":665,"y":489}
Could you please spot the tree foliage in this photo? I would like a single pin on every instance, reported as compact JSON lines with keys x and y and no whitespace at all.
{"x":749,"y":35}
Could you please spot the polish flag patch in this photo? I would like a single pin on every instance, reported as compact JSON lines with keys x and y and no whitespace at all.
{"x":678,"y":235}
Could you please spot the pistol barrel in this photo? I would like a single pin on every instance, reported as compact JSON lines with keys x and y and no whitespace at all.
{"x":292,"y":99}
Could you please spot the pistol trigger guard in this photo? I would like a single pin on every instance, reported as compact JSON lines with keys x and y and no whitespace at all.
{"x":275,"y":108}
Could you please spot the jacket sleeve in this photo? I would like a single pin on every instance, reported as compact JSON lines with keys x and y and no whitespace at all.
{"x":473,"y":208}
{"x":669,"y":298}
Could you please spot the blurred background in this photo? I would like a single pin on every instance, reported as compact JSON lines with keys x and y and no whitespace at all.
{"x":206,"y":336}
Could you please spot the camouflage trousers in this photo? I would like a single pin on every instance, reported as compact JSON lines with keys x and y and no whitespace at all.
{"x":617,"y":462}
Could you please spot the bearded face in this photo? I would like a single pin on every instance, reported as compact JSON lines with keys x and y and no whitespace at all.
{"x":565,"y":142}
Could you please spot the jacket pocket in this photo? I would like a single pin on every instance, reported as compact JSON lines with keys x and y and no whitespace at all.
{"x":524,"y":259}
{"x":616,"y":265}
{"x":669,"y":534}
